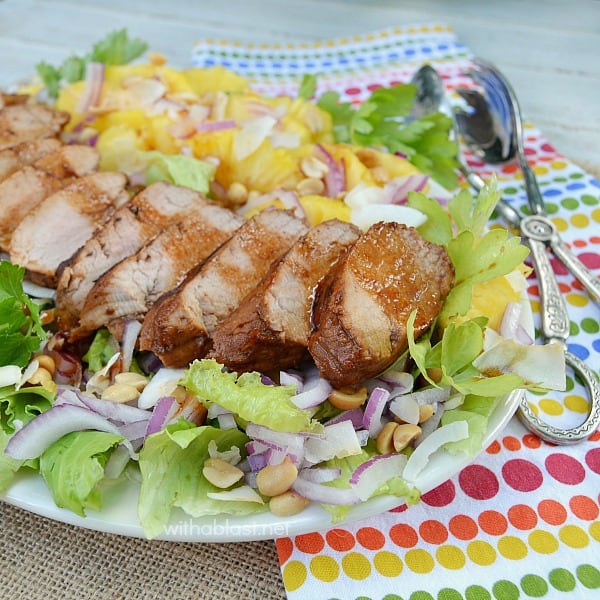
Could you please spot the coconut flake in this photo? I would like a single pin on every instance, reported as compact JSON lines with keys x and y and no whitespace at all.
{"x":373,"y":473}
{"x":340,"y":440}
{"x":162,"y":384}
{"x":243,"y":493}
{"x":251,"y":135}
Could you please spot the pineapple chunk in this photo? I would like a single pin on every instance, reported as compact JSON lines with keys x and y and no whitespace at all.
{"x":321,"y":208}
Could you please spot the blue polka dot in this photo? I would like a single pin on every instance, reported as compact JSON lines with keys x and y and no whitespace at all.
{"x":310,"y":65}
{"x":595,"y":183}
{"x":426,"y":50}
{"x":243,"y":65}
{"x":326,"y":63}
{"x":581,"y":351}
{"x":596,"y":345}
{"x":442,"y":46}
{"x":209,"y":62}
{"x":393,"y":56}
{"x":551,"y":192}
{"x":410,"y":51}
{"x":226,"y":64}
{"x":575,"y":186}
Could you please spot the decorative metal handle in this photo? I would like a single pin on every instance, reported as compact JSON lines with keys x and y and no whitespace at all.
{"x":556,"y":435}
{"x":554,"y":318}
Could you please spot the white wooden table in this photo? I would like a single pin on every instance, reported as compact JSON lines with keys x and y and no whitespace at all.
{"x":550,"y":51}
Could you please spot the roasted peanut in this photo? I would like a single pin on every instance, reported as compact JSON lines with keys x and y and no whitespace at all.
{"x":385,"y":439}
{"x":403,"y":435}
{"x":310,"y":186}
{"x":347,"y":399}
{"x":40,"y":376}
{"x":435,"y":374}
{"x":311,"y":166}
{"x":120,"y":393}
{"x":221,"y":473}
{"x":136,"y":380}
{"x":237,"y":193}
{"x":287,"y":504}
{"x":45,"y":361}
{"x":425,"y":412}
{"x":274,"y":480}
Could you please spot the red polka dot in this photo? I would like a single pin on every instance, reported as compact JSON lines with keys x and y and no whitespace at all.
{"x":565,"y":468}
{"x":352,"y":91}
{"x":493,"y":522}
{"x":404,"y":536}
{"x":310,"y":543}
{"x":442,"y":495}
{"x":558,"y":267}
{"x":584,"y":508}
{"x":340,"y":540}
{"x":433,"y":532}
{"x":463,"y":527}
{"x":370,"y":538}
{"x":592,"y":459}
{"x":532,"y":441}
{"x":529,"y":151}
{"x":399,"y":509}
{"x":374,"y":86}
{"x":590,"y":259}
{"x":285,"y":547}
{"x":478,"y":482}
{"x":522,"y":517}
{"x":552,"y":512}
{"x":522,"y":475}
{"x":546,"y":147}
{"x":493,"y":448}
{"x":533,"y":290}
{"x":511,"y":443}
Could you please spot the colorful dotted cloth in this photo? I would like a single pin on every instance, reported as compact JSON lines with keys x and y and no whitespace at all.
{"x":522,"y":521}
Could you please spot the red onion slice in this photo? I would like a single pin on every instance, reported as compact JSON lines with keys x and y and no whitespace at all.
{"x":355,"y":416}
{"x":92,"y":90}
{"x":335,"y":179}
{"x":375,"y":472}
{"x":131,"y":331}
{"x":320,"y":474}
{"x":396,"y":190}
{"x":210,"y":126}
{"x":163,"y":412}
{"x":376,"y":405}
{"x":314,"y":392}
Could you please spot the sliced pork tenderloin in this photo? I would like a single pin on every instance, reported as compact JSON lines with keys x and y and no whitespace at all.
{"x":19,"y":156}
{"x":24,"y":121}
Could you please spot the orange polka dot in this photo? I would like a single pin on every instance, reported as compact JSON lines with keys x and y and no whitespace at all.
{"x":532,"y":441}
{"x":584,"y":508}
{"x":340,"y":540}
{"x":511,"y":443}
{"x":552,"y":512}
{"x":595,"y":437}
{"x":493,"y":522}
{"x":595,"y":239}
{"x":433,"y":532}
{"x":370,"y":538}
{"x":493,"y":448}
{"x":463,"y":527}
{"x":310,"y":543}
{"x":512,"y":168}
{"x":285,"y":547}
{"x":522,"y":517}
{"x":564,"y":288}
{"x":404,"y":536}
{"x":579,"y":243}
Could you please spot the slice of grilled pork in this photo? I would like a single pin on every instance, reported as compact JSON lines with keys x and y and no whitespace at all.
{"x":363,"y":305}
{"x":178,"y":327}
{"x":23,"y":122}
{"x":59,"y":225}
{"x":19,"y":156}
{"x":130,"y":228}
{"x":270,"y":329}
{"x":132,"y":286}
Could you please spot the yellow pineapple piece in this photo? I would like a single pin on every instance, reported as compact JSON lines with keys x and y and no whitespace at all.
{"x":214,"y":79}
{"x":321,"y":208}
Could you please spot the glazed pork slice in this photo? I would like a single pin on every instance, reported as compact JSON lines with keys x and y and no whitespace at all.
{"x":57,"y":227}
{"x":23,"y":122}
{"x":26,"y":188}
{"x":132,"y":286}
{"x":131,"y":227}
{"x":26,"y":153}
{"x":363,"y":305}
{"x":178,"y":327}
{"x":271,"y":328}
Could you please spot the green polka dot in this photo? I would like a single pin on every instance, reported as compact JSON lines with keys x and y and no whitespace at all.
{"x":590,"y":325}
{"x":534,"y":586}
{"x":576,"y":175}
{"x":510,"y":190}
{"x":449,"y":594}
{"x":552,"y":208}
{"x":421,"y":595}
{"x":573,"y":328}
{"x":570,"y":203}
{"x":560,"y":179}
{"x":589,"y":576}
{"x":505,"y":590}
{"x":570,"y":384}
{"x":363,"y":598}
{"x":589,"y":199}
{"x":392,"y":597}
{"x":562,"y":580}
{"x":476,"y":592}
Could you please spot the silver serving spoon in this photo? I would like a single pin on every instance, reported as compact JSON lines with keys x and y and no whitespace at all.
{"x":485,"y":131}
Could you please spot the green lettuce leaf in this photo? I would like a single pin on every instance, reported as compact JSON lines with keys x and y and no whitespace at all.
{"x":18,"y":407}
{"x":308,"y":87}
{"x":171,"y":468}
{"x":8,"y":465}
{"x":247,"y":397}
{"x":74,"y":466}
{"x":21,"y":331}
{"x":103,"y":346}
{"x":179,"y":169}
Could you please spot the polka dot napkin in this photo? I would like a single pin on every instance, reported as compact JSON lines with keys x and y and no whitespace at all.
{"x":522,"y":521}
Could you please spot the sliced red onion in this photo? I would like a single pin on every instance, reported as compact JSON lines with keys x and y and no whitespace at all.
{"x":148,"y":362}
{"x":135,"y":430}
{"x":355,"y":416}
{"x":163,"y":412}
{"x":452,"y":432}
{"x":374,"y":472}
{"x":214,"y":410}
{"x":431,"y":395}
{"x":511,"y":327}
{"x":227,"y":421}
{"x":406,"y":408}
{"x":68,"y":369}
{"x":260,"y":460}
{"x":210,"y":126}
{"x":340,"y":441}
{"x":315,"y":391}
{"x":48,"y":427}
{"x":92,"y":90}
{"x":376,"y":405}
{"x":38,"y":291}
{"x":396,"y":190}
{"x":335,"y":179}
{"x":287,"y":378}
{"x":162,"y":384}
{"x":399,"y":381}
{"x":325,"y":494}
{"x":320,"y":474}
{"x":116,"y":463}
{"x":131,"y":331}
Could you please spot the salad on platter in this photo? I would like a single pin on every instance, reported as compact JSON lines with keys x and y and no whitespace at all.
{"x":244,"y":304}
